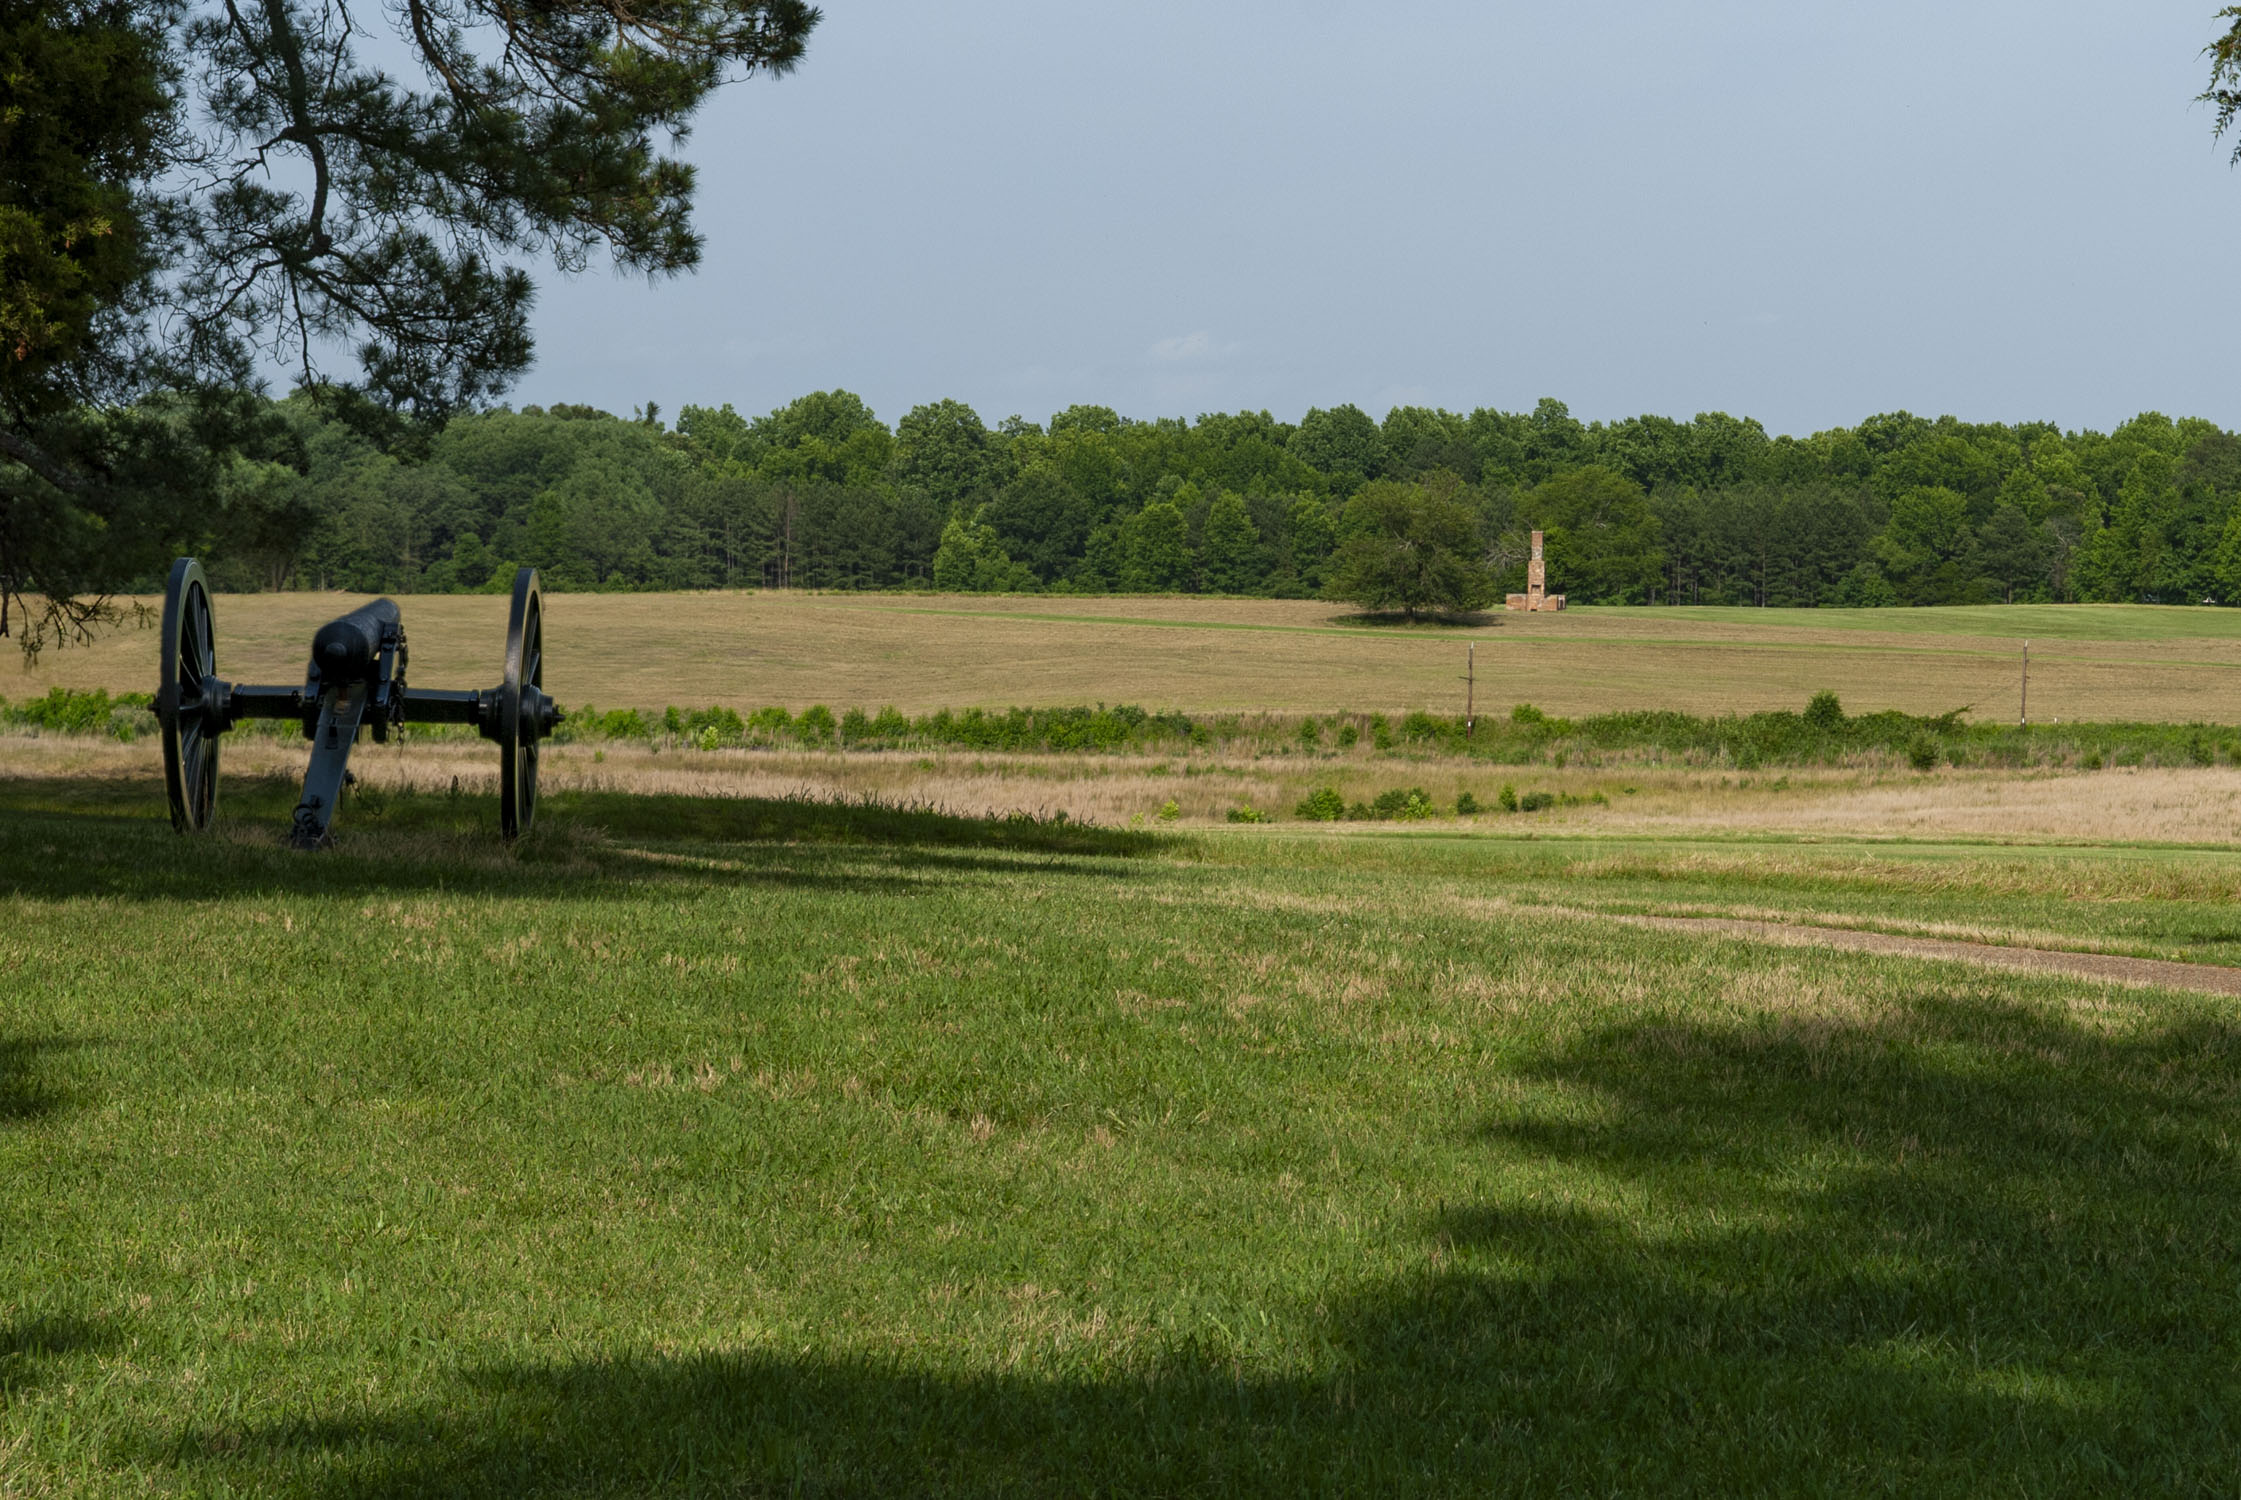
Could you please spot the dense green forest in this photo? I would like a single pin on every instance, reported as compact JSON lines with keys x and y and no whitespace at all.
{"x":822,"y":494}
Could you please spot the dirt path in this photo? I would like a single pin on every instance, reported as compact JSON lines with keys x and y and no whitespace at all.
{"x":2216,"y":979}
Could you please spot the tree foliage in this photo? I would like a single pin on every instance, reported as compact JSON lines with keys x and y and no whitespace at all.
{"x":1412,"y":547}
{"x":352,"y":189}
{"x":821,"y":493}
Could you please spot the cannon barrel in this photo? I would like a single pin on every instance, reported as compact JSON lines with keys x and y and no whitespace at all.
{"x":346,"y":649}
{"x":356,"y":682}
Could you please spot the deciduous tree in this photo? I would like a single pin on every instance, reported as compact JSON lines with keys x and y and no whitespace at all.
{"x":1411,"y":548}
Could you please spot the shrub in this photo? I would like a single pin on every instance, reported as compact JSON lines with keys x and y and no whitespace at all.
{"x":855,"y":725}
{"x":68,"y":711}
{"x":1922,"y":754}
{"x":891,"y":724}
{"x":1527,"y":715}
{"x":1506,"y":799}
{"x":1420,"y":726}
{"x":1466,"y":805}
{"x":2092,"y":762}
{"x":614,"y":724}
{"x":1825,"y":713}
{"x":770,"y":721}
{"x":1349,"y":735}
{"x":1247,"y":814}
{"x":1324,"y":805}
{"x":1381,"y":733}
{"x":708,"y":727}
{"x":816,"y":724}
{"x":1395,"y":804}
{"x":1310,"y":734}
{"x":1170,"y":812}
{"x":1536,"y":801}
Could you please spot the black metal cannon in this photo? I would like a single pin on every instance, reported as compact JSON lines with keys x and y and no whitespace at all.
{"x":356,"y":680}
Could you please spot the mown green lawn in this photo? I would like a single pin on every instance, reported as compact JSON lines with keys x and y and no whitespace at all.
{"x":735,"y":1148}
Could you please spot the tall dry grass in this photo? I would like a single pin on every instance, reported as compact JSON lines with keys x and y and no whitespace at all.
{"x":2190,"y":806}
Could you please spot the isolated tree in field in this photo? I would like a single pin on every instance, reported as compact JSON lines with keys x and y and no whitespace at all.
{"x":1408,"y":547}
{"x":190,"y":186}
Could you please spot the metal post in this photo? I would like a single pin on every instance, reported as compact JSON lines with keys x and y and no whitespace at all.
{"x":2026,"y":712}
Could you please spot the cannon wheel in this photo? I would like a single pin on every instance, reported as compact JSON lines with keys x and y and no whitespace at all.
{"x":190,"y":660}
{"x":519,"y":723}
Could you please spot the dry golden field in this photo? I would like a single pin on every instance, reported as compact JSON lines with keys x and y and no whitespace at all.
{"x":921,"y":652}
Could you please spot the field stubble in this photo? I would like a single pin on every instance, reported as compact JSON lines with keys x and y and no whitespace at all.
{"x":922,"y":652}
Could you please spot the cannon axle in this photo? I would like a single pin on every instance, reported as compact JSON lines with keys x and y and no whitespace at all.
{"x":355,"y":681}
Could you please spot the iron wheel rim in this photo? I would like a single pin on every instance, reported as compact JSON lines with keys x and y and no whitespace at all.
{"x":189,"y":667}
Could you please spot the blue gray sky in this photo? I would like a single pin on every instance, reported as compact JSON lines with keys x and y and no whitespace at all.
{"x":1805,"y":211}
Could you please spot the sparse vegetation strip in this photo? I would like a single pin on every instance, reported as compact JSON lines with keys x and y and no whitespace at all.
{"x":1822,"y":735}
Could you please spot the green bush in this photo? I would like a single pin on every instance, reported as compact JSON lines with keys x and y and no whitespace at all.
{"x":1536,"y":801}
{"x":1506,"y":799}
{"x":1825,"y":713}
{"x":1922,"y":754}
{"x":816,"y":724}
{"x":1310,"y":734}
{"x":1247,"y":814}
{"x":1349,"y":735}
{"x":1381,"y":733}
{"x":1324,"y":805}
{"x":615,"y":724}
{"x":1466,"y":805}
{"x":69,"y":711}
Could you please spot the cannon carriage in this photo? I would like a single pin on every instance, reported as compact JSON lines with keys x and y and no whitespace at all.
{"x":355,"y":681}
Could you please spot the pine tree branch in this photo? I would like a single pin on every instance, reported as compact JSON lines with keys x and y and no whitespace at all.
{"x":43,"y":464}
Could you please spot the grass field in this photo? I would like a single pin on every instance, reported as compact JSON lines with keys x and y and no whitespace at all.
{"x":923,"y":652}
{"x":723,"y":1145}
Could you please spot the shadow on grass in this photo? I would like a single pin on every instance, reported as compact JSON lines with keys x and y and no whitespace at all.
{"x":29,"y":1347}
{"x":24,"y":1094}
{"x":69,"y":838}
{"x":1476,"y":619}
{"x":1970,"y":1247}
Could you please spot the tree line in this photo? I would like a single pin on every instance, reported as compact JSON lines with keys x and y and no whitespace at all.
{"x":1899,"y":510}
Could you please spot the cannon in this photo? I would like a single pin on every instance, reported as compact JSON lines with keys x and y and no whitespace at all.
{"x":356,"y":681}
